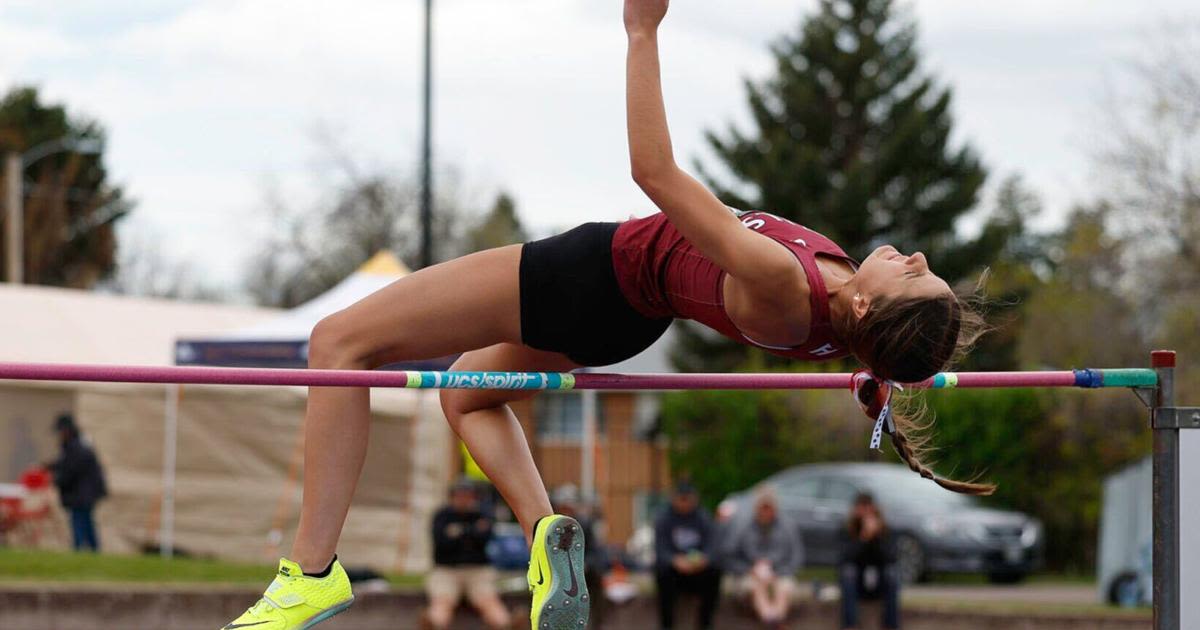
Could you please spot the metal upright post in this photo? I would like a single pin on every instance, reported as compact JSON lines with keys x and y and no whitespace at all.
{"x":587,"y":455}
{"x":166,"y":517}
{"x":1166,"y":496}
{"x":427,"y":145}
{"x":14,"y":219}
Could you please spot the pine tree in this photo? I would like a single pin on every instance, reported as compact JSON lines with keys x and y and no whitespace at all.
{"x":501,"y":226}
{"x":851,"y":139}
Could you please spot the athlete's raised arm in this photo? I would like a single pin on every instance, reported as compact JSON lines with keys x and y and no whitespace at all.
{"x":692,"y":209}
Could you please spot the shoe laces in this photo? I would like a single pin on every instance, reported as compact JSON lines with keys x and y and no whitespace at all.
{"x":263,"y":605}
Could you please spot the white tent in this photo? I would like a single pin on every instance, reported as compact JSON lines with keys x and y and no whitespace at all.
{"x":378,"y":272}
{"x":238,"y":448}
{"x":282,"y":341}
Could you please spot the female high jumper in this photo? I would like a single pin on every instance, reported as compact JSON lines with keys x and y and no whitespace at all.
{"x":596,"y":295}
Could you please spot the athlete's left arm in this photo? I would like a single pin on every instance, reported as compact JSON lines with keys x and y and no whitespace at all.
{"x":764,"y":266}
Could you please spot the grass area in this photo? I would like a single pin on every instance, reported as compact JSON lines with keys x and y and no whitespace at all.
{"x":55,"y":566}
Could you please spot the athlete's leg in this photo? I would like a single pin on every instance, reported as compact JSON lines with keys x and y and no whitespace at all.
{"x":491,"y":432}
{"x":467,"y":303}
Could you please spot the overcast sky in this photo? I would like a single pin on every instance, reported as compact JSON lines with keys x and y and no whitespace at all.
{"x":210,"y":102}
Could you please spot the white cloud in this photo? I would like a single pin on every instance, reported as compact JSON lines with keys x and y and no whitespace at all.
{"x":20,"y":43}
{"x":206,"y":98}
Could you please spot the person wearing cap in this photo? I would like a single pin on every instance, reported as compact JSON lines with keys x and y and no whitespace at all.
{"x":461,"y":568}
{"x":684,"y":544}
{"x":765,"y":552}
{"x":80,"y":481}
{"x":868,"y":563}
{"x":567,"y":500}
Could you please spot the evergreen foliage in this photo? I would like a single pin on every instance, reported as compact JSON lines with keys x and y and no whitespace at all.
{"x":70,"y":206}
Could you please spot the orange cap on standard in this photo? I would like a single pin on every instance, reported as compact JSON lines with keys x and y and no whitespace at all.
{"x":1162,"y":359}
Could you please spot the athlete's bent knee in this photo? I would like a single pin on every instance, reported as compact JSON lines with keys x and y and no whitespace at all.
{"x":457,"y":403}
{"x":333,"y":345}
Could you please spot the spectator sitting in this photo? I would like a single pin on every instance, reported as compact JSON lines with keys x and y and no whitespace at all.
{"x":766,"y":553}
{"x":566,"y":500}
{"x":868,"y":564}
{"x":460,"y":537}
{"x":684,"y":538}
{"x":80,"y":481}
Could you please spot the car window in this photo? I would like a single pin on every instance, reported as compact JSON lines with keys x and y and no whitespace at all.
{"x":838,"y":491}
{"x":800,"y":487}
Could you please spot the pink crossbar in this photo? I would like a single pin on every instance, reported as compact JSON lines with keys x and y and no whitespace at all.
{"x":580,"y":380}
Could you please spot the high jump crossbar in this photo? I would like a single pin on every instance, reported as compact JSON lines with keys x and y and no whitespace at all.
{"x":197,"y":375}
{"x":1154,"y":386}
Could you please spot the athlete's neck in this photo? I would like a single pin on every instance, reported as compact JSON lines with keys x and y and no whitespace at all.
{"x":839,"y":286}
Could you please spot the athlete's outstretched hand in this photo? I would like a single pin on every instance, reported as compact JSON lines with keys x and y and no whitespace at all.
{"x":643,"y":16}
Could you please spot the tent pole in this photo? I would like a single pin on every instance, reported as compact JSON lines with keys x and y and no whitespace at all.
{"x":587,"y":464}
{"x":166,"y":528}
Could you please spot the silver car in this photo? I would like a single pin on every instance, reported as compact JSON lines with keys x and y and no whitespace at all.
{"x":935,"y":530}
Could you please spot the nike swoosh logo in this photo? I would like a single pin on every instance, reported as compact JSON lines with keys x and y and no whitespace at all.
{"x":541,"y":577}
{"x":574,"y":590}
{"x":243,"y":625}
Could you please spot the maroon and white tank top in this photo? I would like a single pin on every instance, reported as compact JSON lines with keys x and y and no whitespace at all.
{"x":662,"y":275}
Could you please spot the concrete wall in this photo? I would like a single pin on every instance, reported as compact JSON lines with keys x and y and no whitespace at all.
{"x":60,"y":608}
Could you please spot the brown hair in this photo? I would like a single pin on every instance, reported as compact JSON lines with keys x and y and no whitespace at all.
{"x":908,"y":340}
{"x":854,"y":523}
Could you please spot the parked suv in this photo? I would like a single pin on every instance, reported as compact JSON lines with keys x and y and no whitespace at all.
{"x":935,"y":530}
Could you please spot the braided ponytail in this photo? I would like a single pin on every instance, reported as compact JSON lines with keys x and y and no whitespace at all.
{"x":911,"y":454}
{"x":908,"y":341}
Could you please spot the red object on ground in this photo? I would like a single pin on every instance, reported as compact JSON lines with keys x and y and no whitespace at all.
{"x":35,"y":478}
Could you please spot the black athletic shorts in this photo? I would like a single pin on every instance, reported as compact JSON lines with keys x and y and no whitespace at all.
{"x":571,"y":302}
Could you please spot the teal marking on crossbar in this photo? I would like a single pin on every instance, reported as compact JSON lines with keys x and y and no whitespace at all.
{"x":945,"y":380}
{"x":1129,"y":377}
{"x":490,"y":380}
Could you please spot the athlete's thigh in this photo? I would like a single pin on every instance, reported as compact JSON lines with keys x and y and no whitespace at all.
{"x":504,"y":357}
{"x":463,"y":304}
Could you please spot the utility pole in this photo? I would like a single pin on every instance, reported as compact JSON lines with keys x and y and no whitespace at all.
{"x":14,"y":219}
{"x":427,"y":148}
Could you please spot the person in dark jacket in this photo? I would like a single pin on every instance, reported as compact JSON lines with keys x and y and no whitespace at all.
{"x":461,"y":568}
{"x":868,"y":564}
{"x":684,"y":545}
{"x":80,"y":481}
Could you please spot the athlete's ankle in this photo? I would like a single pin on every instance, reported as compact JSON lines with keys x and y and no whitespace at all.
{"x":322,"y":573}
{"x":533,"y":528}
{"x":314,"y":565}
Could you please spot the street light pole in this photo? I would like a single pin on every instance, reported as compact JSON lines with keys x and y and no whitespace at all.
{"x":426,"y":147}
{"x":14,"y":189}
{"x":14,"y":219}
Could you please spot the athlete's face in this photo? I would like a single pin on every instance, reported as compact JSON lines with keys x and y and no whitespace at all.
{"x":890,"y":275}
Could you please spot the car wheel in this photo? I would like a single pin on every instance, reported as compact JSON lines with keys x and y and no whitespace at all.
{"x":910,"y":559}
{"x":1125,"y":590}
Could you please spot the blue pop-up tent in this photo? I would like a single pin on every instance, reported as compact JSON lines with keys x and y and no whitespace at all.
{"x":282,"y":342}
